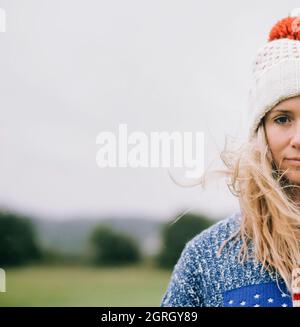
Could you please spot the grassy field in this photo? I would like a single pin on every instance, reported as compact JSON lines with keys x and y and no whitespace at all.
{"x":141,"y":285}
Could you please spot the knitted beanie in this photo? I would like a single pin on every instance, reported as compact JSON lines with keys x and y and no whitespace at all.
{"x":276,"y":69}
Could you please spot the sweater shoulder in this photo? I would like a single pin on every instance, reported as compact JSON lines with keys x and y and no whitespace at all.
{"x":190,"y":280}
{"x":213,"y":237}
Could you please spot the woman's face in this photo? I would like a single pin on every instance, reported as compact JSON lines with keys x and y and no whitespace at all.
{"x":282,"y":127}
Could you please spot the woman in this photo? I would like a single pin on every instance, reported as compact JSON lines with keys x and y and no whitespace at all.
{"x":251,"y":258}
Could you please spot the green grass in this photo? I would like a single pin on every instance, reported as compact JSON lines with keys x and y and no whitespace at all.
{"x":140,"y":285}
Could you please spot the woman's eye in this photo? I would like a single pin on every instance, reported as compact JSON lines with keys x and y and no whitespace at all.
{"x":281,"y":120}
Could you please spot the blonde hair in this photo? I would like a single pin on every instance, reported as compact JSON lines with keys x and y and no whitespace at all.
{"x":270,"y":217}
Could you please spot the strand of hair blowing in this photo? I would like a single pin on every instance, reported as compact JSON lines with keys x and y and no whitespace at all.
{"x":270,"y":217}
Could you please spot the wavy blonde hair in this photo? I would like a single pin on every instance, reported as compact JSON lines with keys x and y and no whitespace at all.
{"x":270,"y":216}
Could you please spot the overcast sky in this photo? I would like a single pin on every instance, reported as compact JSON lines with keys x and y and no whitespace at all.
{"x":71,"y":69}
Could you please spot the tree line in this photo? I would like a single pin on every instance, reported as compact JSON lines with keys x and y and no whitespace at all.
{"x":19,"y":243}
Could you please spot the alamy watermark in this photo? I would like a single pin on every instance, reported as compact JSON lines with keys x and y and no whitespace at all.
{"x":158,"y":149}
{"x":2,"y":280}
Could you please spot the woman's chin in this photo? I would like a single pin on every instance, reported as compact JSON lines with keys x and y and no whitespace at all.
{"x":294,"y":176}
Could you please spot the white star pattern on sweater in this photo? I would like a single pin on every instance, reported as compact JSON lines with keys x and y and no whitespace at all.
{"x":259,"y":300}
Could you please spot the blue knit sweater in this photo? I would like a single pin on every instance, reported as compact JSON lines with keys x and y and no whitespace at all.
{"x":202,"y":279}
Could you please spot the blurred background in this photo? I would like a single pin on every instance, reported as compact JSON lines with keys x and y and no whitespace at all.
{"x":75,"y":234}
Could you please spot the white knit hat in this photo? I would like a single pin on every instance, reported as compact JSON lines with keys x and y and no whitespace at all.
{"x":276,"y":69}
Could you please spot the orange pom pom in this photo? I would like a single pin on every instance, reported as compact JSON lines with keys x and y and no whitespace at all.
{"x":286,"y":28}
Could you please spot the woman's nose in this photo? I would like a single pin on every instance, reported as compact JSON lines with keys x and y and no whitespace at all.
{"x":295,"y":138}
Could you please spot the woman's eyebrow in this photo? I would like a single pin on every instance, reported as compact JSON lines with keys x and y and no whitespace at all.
{"x":281,"y":110}
{"x":275,"y":111}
